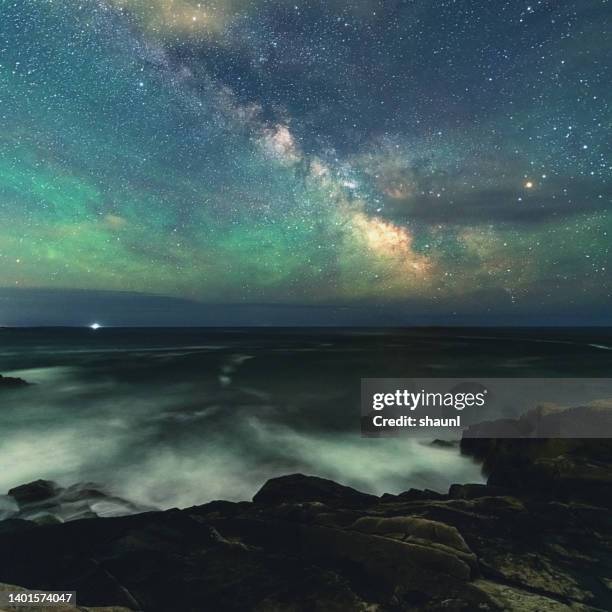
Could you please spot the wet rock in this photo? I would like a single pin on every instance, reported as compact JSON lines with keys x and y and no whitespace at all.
{"x":564,"y":477}
{"x":300,"y":488}
{"x":413,"y":495}
{"x":36,"y":491}
{"x":44,"y":501}
{"x":475,"y":490}
{"x":532,"y":436}
{"x":407,"y":527}
{"x":578,"y":469}
{"x":9,"y":382}
{"x":446,"y":444}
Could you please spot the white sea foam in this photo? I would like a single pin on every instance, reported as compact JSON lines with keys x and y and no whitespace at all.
{"x":171,"y":446}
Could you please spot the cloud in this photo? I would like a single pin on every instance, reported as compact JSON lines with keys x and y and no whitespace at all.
{"x":445,"y":184}
{"x":556,"y":200}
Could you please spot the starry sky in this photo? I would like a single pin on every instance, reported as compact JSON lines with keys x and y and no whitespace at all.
{"x":410,"y":157}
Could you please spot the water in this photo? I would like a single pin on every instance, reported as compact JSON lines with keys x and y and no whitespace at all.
{"x":176,"y":417}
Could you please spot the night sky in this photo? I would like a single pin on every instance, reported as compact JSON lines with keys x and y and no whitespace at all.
{"x":404,"y":158}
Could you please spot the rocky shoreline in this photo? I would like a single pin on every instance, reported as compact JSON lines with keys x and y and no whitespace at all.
{"x":537,"y":536}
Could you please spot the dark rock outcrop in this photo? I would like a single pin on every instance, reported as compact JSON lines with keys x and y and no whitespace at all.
{"x":550,"y":421}
{"x":44,"y":501}
{"x":328,"y":548}
{"x":537,"y":537}
{"x":565,"y":469}
{"x":297,"y":487}
{"x":32,"y":492}
{"x":9,"y":382}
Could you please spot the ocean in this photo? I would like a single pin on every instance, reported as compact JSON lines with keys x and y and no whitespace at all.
{"x":177,"y":417}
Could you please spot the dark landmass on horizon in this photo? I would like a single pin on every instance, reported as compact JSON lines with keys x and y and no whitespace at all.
{"x":80,"y":308}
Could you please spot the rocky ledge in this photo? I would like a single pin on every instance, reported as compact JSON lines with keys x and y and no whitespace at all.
{"x":537,"y":537}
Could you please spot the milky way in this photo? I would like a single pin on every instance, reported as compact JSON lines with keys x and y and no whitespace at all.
{"x":312,"y":153}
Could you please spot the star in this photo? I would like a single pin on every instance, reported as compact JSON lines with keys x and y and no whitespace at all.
{"x":306,"y":153}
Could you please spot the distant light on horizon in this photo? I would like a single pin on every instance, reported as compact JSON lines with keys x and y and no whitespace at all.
{"x":95,"y":326}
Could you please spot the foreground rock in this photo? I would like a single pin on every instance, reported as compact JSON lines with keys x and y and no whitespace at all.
{"x":565,"y":469}
{"x":478,"y":548}
{"x":537,"y":537}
